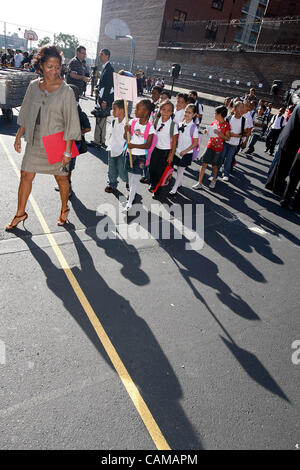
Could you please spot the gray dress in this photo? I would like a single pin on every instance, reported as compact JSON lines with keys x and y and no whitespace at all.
{"x":43,"y":114}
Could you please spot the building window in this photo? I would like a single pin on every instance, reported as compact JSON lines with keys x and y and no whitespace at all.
{"x":179,"y":20}
{"x":211,"y":30}
{"x":218,"y":4}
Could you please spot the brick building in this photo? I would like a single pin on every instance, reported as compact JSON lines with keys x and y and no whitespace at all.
{"x":185,"y":22}
{"x":286,"y":32}
{"x":158,"y":24}
{"x":250,"y":20}
{"x":143,"y":20}
{"x":163,"y":22}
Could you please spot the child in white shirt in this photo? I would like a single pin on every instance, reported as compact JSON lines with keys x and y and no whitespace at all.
{"x":139,"y":145}
{"x":116,"y":166}
{"x":163,"y":153}
{"x":188,"y":136}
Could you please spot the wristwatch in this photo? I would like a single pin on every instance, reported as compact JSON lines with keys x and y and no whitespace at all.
{"x":68,"y":155}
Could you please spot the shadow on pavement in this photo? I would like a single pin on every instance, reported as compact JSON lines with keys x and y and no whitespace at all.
{"x":133,"y":339}
{"x":255,"y":369}
{"x":8,"y":127}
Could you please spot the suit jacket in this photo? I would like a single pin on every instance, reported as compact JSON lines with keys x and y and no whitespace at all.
{"x":106,"y":82}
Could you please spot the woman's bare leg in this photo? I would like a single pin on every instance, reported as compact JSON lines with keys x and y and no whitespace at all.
{"x":25,"y":188}
{"x":64,"y":187}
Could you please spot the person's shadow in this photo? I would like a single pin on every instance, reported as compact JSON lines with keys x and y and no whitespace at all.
{"x":196,"y":268}
{"x":134,"y":341}
{"x":118,"y":249}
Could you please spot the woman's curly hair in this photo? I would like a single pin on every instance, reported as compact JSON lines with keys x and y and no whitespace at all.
{"x":45,"y":53}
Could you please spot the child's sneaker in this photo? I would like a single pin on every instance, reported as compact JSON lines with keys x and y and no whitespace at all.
{"x":212,"y":185}
{"x":173,"y":191}
{"x":109,"y":189}
{"x":197,"y":186}
{"x":210,"y":178}
{"x":225,"y":178}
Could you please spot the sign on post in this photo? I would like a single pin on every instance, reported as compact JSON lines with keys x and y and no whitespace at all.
{"x":30,"y":35}
{"x":125,"y":88}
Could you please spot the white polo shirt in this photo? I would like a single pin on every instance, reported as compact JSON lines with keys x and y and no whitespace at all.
{"x":278,"y":122}
{"x":179,"y":116}
{"x":164,"y":135}
{"x":249,"y":120}
{"x":116,"y":141}
{"x":184,"y":137}
{"x":236,"y":128}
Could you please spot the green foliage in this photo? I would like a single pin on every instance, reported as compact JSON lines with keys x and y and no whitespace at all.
{"x":67,"y":43}
{"x":44,"y":41}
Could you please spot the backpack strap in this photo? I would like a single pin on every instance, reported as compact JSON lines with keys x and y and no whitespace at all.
{"x":147,"y":130}
{"x":243,"y":125}
{"x":134,"y":121}
{"x":192,"y":129}
{"x":172,"y":128}
{"x":156,"y":122}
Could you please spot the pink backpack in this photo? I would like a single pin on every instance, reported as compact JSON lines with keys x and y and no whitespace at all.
{"x":146,"y":135}
{"x":196,"y":150}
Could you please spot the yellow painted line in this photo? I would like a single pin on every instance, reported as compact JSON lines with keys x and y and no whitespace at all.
{"x":127,"y":381}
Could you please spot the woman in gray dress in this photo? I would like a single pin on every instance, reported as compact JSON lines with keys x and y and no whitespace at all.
{"x":49,"y":107}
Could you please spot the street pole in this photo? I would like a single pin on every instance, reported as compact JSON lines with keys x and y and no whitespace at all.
{"x":172,"y":87}
{"x":260,"y":28}
{"x":230,"y":18}
{"x":5,"y":43}
{"x":128,"y":36}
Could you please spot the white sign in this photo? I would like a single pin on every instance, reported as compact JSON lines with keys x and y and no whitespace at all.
{"x":260,"y":85}
{"x":125,"y":88}
{"x":211,"y":131}
{"x":30,"y":35}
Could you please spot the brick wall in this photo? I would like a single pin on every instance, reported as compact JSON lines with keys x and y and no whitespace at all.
{"x":143,"y":21}
{"x":197,"y":32}
{"x":254,"y":67}
{"x":284,"y":32}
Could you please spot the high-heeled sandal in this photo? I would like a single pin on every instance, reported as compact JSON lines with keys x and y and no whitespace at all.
{"x":21,"y":218}
{"x":61,"y":221}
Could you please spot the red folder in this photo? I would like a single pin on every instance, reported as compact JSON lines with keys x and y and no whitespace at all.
{"x":165,"y":178}
{"x":55,"y":146}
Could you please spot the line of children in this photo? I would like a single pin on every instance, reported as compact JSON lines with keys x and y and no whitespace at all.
{"x":168,"y":141}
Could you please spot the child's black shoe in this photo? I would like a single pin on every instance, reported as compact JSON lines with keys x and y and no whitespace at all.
{"x":109,"y":189}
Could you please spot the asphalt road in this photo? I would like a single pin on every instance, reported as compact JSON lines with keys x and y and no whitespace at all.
{"x":206,"y":336}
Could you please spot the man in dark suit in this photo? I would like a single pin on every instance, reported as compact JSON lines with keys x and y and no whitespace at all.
{"x":288,"y":146}
{"x":105,"y":93}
